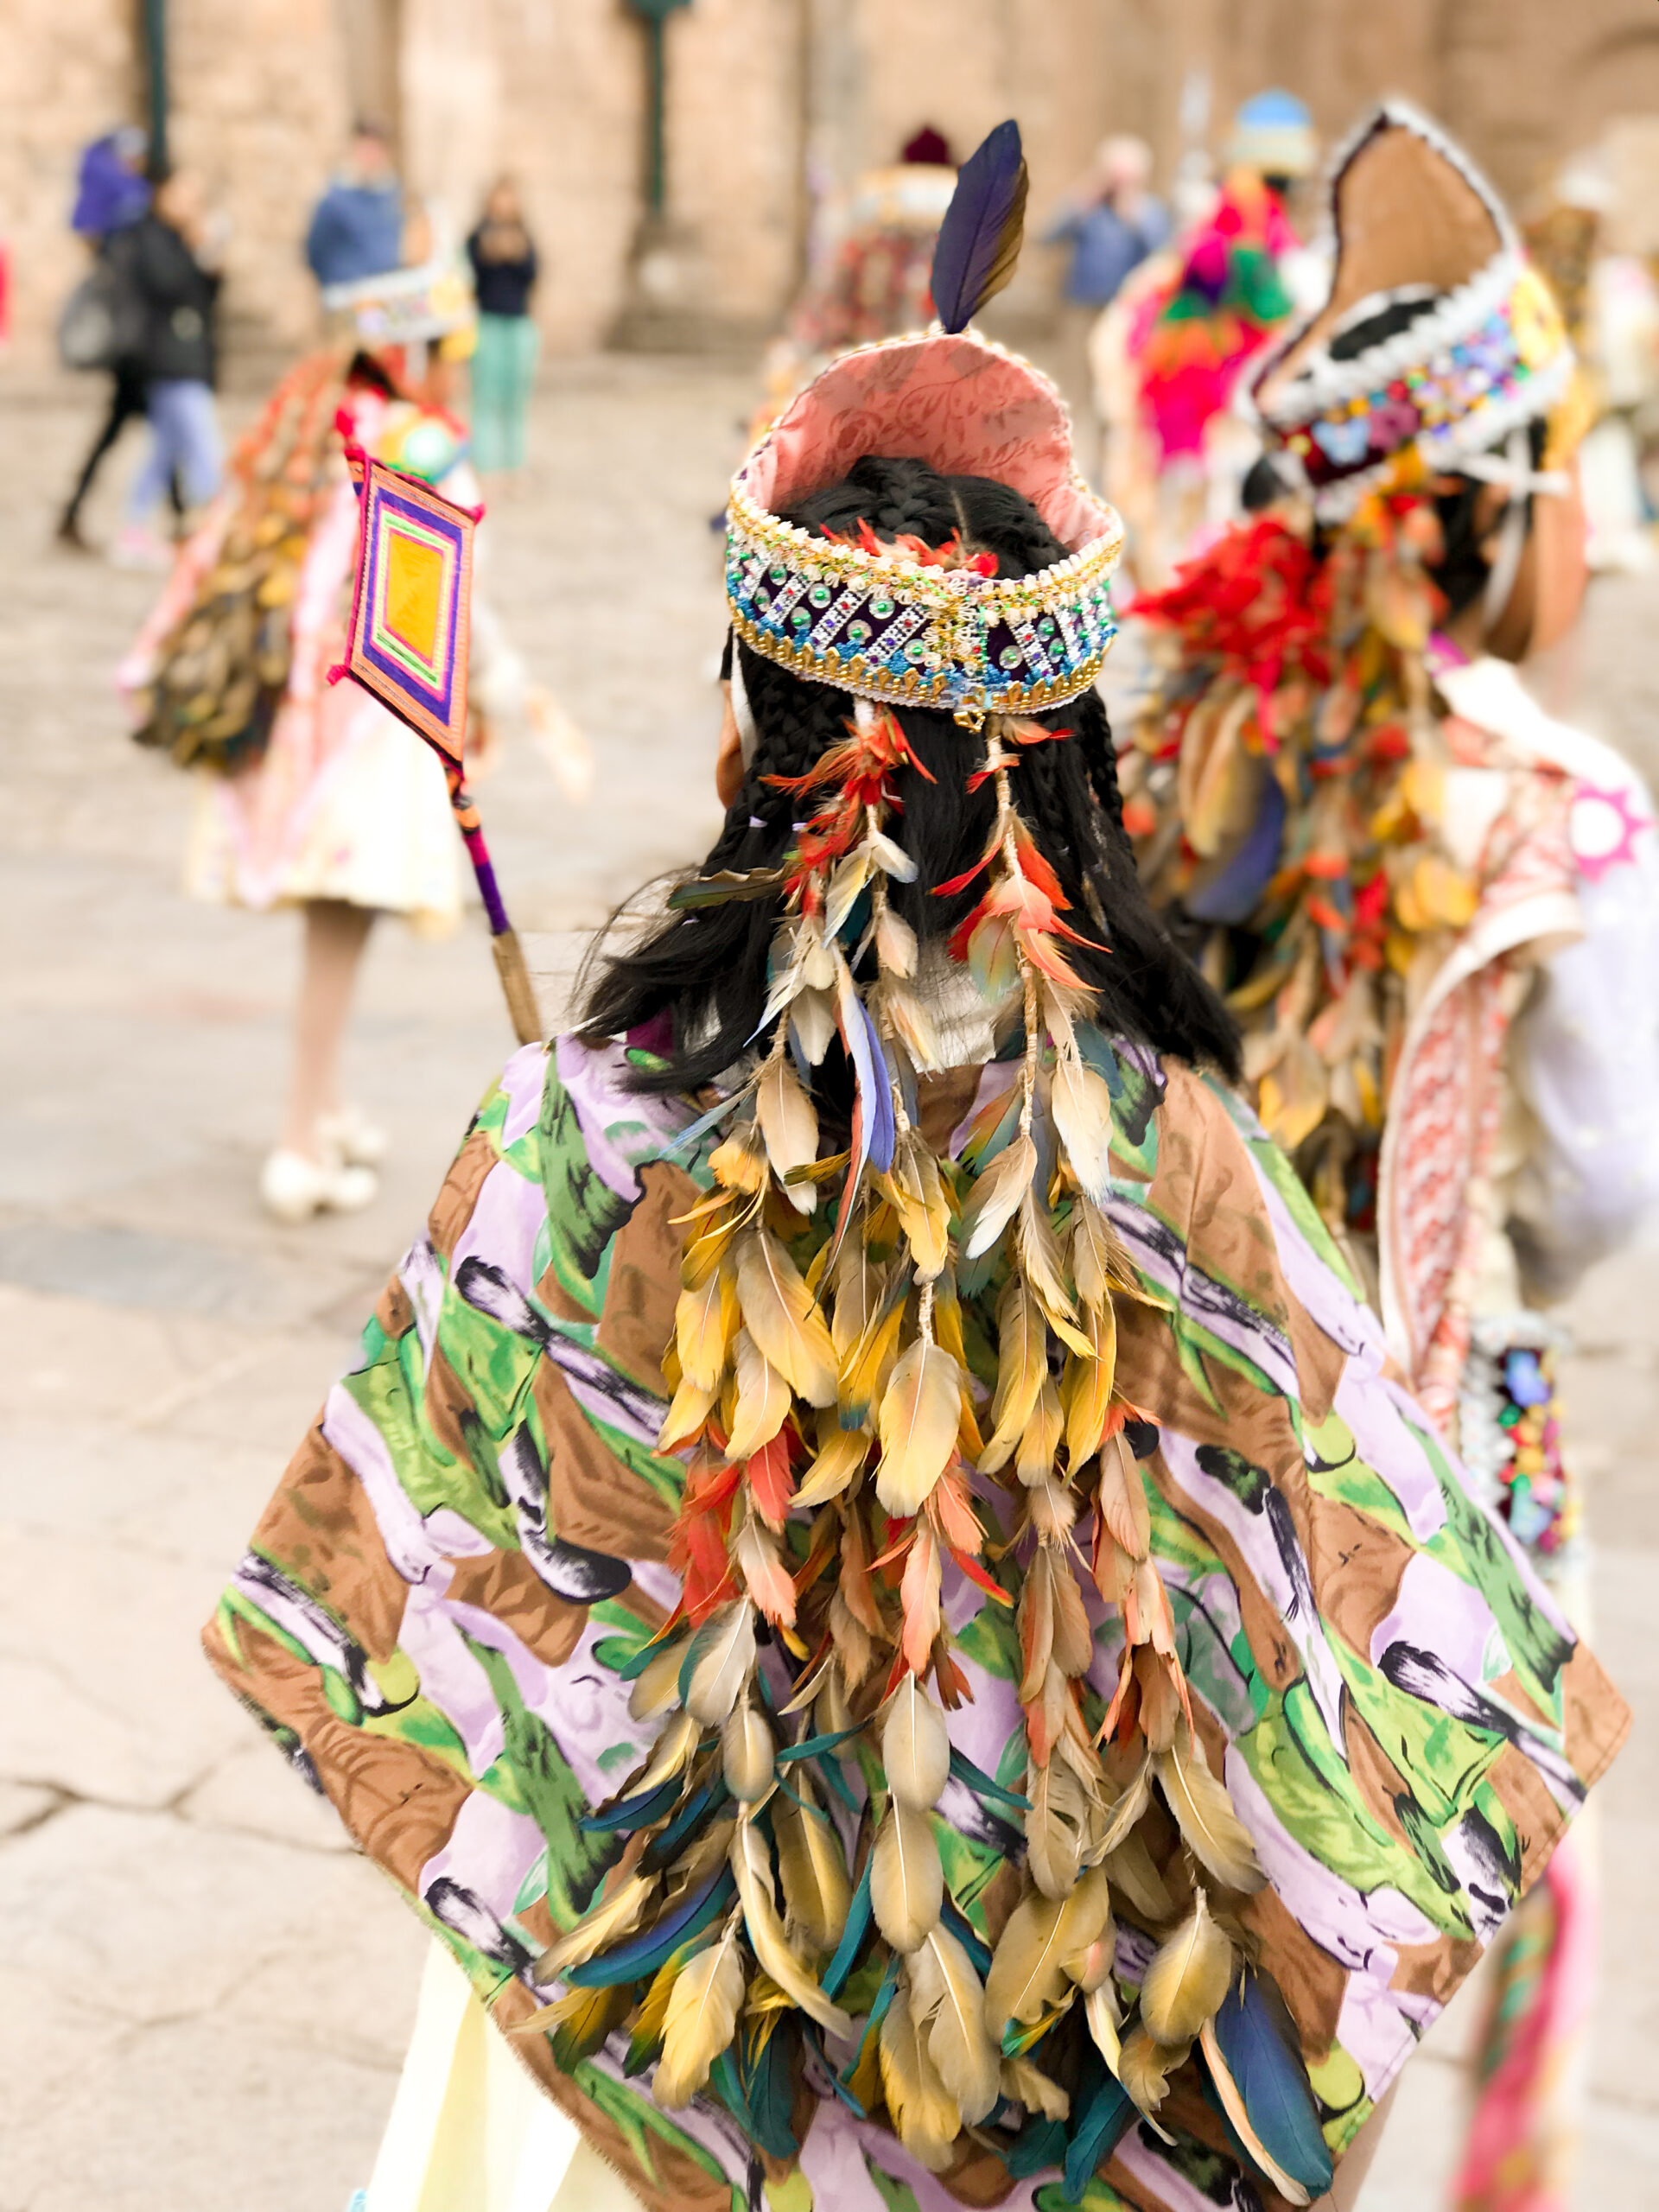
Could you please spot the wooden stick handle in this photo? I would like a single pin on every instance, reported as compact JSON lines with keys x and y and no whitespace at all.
{"x":517,"y":988}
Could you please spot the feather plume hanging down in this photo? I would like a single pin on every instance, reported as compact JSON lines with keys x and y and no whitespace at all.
{"x":983,"y":226}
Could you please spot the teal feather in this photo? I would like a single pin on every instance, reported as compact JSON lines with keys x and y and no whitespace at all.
{"x":644,"y":1953}
{"x":852,"y":1936}
{"x":982,"y":1786}
{"x":1101,"y":2115}
{"x":1272,"y":2084}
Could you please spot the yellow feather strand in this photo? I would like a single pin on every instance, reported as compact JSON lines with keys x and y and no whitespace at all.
{"x":1144,"y":2068}
{"x":1021,"y":1370}
{"x":1034,"y":1462}
{"x":779,"y":1313}
{"x":995,"y":1196}
{"x":723,"y":1666}
{"x":686,"y":1415}
{"x":704,"y":1322}
{"x":1126,"y":1812}
{"x":1041,"y":1264}
{"x":1074,"y":1641}
{"x":751,"y":1870}
{"x":1083,"y":1114}
{"x":945,"y":1989}
{"x":1122,"y":1497}
{"x":601,"y":1924}
{"x":674,"y":1749}
{"x":816,"y":1891}
{"x":841,"y":1452}
{"x":922,"y":2109}
{"x":1024,"y":2084}
{"x":763,"y":1400}
{"x":1086,"y":1391}
{"x":906,"y":1878}
{"x":1098,"y":1259}
{"x":1100,"y":2012}
{"x":789,"y":1123}
{"x":858,"y":1294}
{"x":1096,"y":1962}
{"x":647,"y":2032}
{"x":740,"y":1164}
{"x":1187,"y":1978}
{"x":1034,"y":1619}
{"x":1132,"y":1871}
{"x":1027,"y":1972}
{"x":658,"y":1684}
{"x":701,"y":2021}
{"x":1213,"y":1832}
{"x":867,"y":1369}
{"x":746,"y":1754}
{"x":918,"y":1425}
{"x":1226,"y":2089}
{"x":1055,"y":1826}
{"x":915,"y":1747}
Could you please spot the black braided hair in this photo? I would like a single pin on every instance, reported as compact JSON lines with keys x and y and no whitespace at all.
{"x":708,"y":968}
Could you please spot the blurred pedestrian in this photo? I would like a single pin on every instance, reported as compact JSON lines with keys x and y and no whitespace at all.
{"x":1111,"y":222}
{"x":504,"y":269}
{"x":112,"y":195}
{"x":169,"y":255}
{"x":357,"y":229}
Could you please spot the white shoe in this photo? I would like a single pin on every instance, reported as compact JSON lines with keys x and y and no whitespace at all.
{"x":138,"y":548}
{"x":350,"y":1135}
{"x":294,"y":1188}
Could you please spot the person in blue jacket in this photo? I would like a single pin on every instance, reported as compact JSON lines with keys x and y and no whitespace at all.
{"x":357,"y":229}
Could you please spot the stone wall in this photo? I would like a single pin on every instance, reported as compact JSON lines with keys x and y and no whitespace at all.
{"x":767,"y":98}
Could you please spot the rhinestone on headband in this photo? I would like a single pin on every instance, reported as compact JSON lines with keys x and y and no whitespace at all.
{"x":885,"y":626}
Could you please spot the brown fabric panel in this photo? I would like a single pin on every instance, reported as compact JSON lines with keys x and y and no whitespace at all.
{"x":1438,"y":1969}
{"x":399,"y":1802}
{"x":1276,"y":1657}
{"x":1379,"y":1780}
{"x":1309,"y":1980}
{"x":393,"y":1311}
{"x":1596,"y":1719}
{"x":551,"y":1294}
{"x":1357,"y":1564}
{"x":320,"y":1528}
{"x":680,"y":2185}
{"x":446,"y":1401}
{"x":644,"y":1282}
{"x":505,"y":1585}
{"x":593,"y":1499}
{"x":1540,"y":1822}
{"x":452,"y":1207}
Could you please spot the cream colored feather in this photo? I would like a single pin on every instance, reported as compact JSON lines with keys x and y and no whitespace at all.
{"x":1027,"y":1975}
{"x":906,"y":1877}
{"x":1021,"y":1370}
{"x":704,"y":1321}
{"x":859,"y":1284}
{"x":1187,"y":1978}
{"x":945,"y":1991}
{"x":816,"y":1889}
{"x":1086,"y":1392}
{"x":1100,"y":2012}
{"x":779,"y":1313}
{"x":1083,"y":1114}
{"x":1213,"y":1832}
{"x":758,"y":1556}
{"x":656,"y":1687}
{"x":751,"y":1870}
{"x":1043,"y":1267}
{"x":1132,"y":1871}
{"x":746,"y":1754}
{"x":1040,"y":1442}
{"x":701,"y":2021}
{"x":812,"y":1017}
{"x":600,"y":1925}
{"x":895,"y":944}
{"x":763,"y":1399}
{"x":921,"y":1408}
{"x":1127,"y":1810}
{"x":915,"y":1747}
{"x":841,"y":1452}
{"x":691,"y":1408}
{"x":1144,"y":2068}
{"x":1098,"y":1259}
{"x":1028,"y":2085}
{"x":724,"y":1667}
{"x":996,"y":1195}
{"x":1054,"y":1827}
{"x":789,"y":1123}
{"x":674,"y":1749}
{"x":922,"y":2109}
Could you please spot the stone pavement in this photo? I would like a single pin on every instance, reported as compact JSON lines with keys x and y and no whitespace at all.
{"x":204,"y":1994}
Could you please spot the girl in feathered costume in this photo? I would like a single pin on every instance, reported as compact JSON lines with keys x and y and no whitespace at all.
{"x":875,"y":1582}
{"x":1435,"y":908}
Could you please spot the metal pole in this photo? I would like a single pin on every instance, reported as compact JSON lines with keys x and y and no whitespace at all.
{"x":155,"y":32}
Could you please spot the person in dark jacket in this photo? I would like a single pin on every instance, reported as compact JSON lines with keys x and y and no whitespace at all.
{"x":163,"y":257}
{"x":111,"y":194}
{"x":357,"y":230}
{"x":504,"y":261}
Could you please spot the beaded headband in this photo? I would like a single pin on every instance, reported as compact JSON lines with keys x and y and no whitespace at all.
{"x":886,"y":627}
{"x":1414,"y":219}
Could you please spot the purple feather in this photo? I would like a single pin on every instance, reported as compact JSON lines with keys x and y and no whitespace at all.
{"x":979,"y":240}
